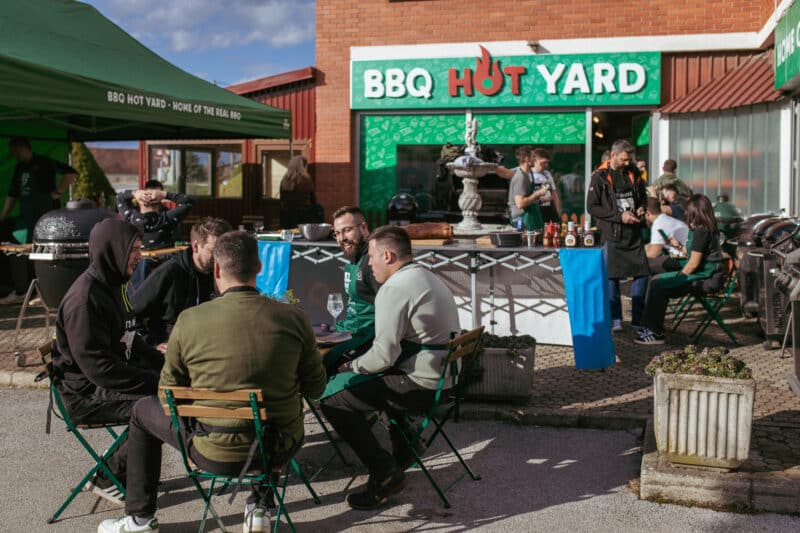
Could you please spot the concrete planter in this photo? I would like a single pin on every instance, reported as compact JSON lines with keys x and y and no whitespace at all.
{"x":505,"y":377}
{"x":702,"y":420}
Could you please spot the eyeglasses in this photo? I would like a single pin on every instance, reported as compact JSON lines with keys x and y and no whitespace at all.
{"x":344,"y":230}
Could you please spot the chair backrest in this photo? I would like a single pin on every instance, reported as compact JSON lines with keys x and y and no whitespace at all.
{"x":184,"y":398}
{"x":460,"y":346}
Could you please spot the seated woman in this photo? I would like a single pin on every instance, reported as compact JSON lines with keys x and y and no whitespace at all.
{"x":703,"y":270}
{"x":298,"y":200}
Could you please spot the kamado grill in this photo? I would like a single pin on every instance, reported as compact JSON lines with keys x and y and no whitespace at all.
{"x":60,"y":253}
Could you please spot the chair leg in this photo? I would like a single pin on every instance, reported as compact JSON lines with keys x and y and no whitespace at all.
{"x":713,"y":314}
{"x":327,"y":432}
{"x":421,"y":464}
{"x":472,"y":474}
{"x":281,"y":507}
{"x":208,"y":506}
{"x":300,"y":473}
{"x":100,"y":463}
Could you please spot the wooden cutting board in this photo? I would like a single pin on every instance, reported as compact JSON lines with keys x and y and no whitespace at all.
{"x":430,"y":242}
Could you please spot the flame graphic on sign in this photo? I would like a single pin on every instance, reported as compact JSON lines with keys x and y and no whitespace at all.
{"x":486,"y":69}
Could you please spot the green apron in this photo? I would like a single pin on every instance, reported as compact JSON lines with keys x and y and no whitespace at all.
{"x":359,"y":318}
{"x":359,"y":314}
{"x":531,"y":215}
{"x":671,"y":280}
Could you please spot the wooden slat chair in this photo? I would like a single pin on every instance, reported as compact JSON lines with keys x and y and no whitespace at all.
{"x":180,"y":404}
{"x":443,"y":409}
{"x":100,"y":459}
{"x":712,"y":303}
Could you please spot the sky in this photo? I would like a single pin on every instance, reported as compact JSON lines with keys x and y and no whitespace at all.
{"x":223,"y":41}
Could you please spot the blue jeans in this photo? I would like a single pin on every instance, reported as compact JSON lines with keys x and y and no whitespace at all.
{"x":638,"y":293}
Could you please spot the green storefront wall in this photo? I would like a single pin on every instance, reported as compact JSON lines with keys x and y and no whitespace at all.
{"x":381,"y":134}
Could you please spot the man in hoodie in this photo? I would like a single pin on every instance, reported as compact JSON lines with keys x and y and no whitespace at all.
{"x":101,"y":369}
{"x":183,"y":281}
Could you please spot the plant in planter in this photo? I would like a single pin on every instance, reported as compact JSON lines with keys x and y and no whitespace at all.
{"x":703,"y":411}
{"x":502,"y":369}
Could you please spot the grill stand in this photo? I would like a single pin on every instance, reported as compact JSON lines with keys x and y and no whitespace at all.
{"x":19,"y":356}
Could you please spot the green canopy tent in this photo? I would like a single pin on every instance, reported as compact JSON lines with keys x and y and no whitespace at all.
{"x":68,"y":73}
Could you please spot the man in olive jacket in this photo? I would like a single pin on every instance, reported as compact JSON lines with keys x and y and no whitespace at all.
{"x":240,"y":340}
{"x":617,"y":199}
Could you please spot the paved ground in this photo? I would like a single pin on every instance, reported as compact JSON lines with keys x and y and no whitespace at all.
{"x":622,"y":390}
{"x":533,"y":479}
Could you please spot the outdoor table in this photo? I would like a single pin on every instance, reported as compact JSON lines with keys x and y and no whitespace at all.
{"x":515,"y":290}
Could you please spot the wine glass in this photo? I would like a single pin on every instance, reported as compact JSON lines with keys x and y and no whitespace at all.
{"x":335,"y":307}
{"x":287,"y":235}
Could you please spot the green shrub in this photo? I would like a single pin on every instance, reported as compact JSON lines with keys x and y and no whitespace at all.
{"x":713,"y":362}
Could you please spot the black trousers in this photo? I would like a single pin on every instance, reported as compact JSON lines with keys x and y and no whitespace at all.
{"x":150,"y":427}
{"x":100,"y":407}
{"x":655,"y":307}
{"x":348,"y":413}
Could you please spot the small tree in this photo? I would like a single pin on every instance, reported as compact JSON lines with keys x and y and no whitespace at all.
{"x":92,"y":182}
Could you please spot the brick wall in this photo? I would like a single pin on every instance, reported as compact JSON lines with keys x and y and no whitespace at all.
{"x":345,"y":23}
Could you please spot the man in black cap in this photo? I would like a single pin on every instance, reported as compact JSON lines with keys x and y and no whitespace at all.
{"x":101,"y":370}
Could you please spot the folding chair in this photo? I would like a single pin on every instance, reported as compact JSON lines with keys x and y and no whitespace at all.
{"x":338,"y":451}
{"x":712,"y":303}
{"x":440,"y":412}
{"x":100,"y":460}
{"x":254,"y":411}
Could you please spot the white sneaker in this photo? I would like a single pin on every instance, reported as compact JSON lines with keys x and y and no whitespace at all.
{"x":616,"y":325}
{"x":126,"y":524}
{"x":256,"y":519}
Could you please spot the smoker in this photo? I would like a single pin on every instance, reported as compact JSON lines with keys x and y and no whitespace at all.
{"x":773,"y":304}
{"x":787,"y":281}
{"x":61,"y":248}
{"x":750,"y":254}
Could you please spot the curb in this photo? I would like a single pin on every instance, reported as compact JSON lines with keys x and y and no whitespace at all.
{"x":21,"y":379}
{"x":777,"y":492}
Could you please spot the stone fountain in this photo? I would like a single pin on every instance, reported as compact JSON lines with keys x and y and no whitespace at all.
{"x":469,"y":167}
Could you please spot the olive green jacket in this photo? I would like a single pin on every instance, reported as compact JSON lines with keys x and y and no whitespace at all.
{"x":243,"y":340}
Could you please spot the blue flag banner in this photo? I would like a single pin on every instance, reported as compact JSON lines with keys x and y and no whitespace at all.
{"x":273,"y":279}
{"x":585,"y":272}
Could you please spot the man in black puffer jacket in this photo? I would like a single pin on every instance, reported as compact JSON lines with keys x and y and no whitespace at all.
{"x":101,"y":369}
{"x":183,"y":281}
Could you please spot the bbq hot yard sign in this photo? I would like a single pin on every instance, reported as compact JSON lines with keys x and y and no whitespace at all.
{"x":545,"y":80}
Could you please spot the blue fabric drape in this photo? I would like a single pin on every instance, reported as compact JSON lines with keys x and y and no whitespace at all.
{"x":585,"y":272}
{"x":273,"y":279}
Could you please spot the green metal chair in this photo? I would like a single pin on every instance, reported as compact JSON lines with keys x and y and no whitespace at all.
{"x":253,"y":410}
{"x":443,"y":409}
{"x":712,"y":303}
{"x":100,"y":459}
{"x":337,"y":451}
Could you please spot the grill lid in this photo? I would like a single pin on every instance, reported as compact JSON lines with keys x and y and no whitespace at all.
{"x":71,"y":224}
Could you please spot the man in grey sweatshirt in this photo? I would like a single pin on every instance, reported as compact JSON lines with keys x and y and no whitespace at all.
{"x":415,"y":313}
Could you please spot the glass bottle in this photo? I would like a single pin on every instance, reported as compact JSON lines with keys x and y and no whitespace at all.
{"x":571,"y":238}
{"x":588,"y":235}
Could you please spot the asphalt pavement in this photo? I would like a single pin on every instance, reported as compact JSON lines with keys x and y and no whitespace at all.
{"x":533,"y":479}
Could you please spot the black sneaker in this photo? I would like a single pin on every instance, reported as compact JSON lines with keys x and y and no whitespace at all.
{"x":377,"y":491}
{"x":649,"y":337}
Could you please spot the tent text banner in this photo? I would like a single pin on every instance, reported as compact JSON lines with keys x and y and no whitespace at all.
{"x":546,"y":80}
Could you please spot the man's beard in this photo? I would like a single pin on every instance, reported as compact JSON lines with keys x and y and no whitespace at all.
{"x":357,"y":246}
{"x":207,"y":268}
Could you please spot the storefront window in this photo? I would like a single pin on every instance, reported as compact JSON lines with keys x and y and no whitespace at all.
{"x":165,"y":164}
{"x":198,"y":173}
{"x":733,"y":152}
{"x":199,"y":170}
{"x":229,"y":174}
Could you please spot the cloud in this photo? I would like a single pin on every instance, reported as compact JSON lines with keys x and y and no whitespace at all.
{"x":196,"y":25}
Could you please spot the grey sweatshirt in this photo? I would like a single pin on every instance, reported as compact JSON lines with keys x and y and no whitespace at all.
{"x":413,"y":305}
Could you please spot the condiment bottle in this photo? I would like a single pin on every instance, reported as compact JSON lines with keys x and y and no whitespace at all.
{"x":571,"y":238}
{"x":546,"y":236}
{"x":556,"y":239}
{"x":563,"y":230}
{"x":588,"y":235}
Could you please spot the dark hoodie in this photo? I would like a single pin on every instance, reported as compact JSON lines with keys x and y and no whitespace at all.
{"x":91,"y":351}
{"x":171,"y":288}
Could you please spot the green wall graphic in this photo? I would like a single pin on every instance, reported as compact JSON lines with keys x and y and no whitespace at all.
{"x":380,"y":135}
